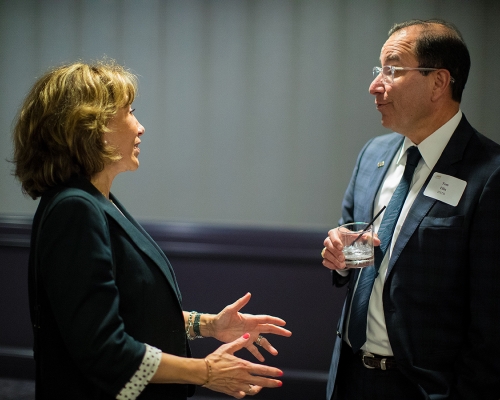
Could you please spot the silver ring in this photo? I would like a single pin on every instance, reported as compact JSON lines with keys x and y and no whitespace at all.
{"x":249,"y":389}
{"x":257,"y":342}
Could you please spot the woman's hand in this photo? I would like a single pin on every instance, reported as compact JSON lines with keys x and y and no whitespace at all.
{"x":230,"y":324}
{"x":237,"y":377}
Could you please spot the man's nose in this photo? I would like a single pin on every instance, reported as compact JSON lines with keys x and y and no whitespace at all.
{"x":377,"y":86}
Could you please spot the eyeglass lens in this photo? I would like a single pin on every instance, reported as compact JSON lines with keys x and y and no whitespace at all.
{"x":387,"y":73}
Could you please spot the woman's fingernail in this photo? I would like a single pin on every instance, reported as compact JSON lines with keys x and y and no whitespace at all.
{"x":280,"y":384}
{"x":246,"y":336}
{"x":281,"y":373}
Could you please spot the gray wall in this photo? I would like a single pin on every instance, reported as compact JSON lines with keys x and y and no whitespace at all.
{"x":254,"y":110}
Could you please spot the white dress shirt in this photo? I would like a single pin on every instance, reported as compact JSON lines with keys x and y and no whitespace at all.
{"x":377,"y":340}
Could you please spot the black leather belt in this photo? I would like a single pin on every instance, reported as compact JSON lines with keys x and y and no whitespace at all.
{"x":373,"y":361}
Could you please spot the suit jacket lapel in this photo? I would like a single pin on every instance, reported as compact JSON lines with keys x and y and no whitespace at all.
{"x":380,"y":167}
{"x":379,"y":172}
{"x":447,"y":164}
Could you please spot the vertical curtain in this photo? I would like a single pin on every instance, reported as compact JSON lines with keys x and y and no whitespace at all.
{"x":254,"y":110}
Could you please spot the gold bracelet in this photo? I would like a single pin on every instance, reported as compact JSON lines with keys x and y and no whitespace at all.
{"x":209,"y":372}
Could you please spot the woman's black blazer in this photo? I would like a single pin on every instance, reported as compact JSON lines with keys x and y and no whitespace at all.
{"x":102,"y":288}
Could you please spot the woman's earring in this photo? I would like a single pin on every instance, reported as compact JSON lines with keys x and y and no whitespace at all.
{"x":106,"y":142}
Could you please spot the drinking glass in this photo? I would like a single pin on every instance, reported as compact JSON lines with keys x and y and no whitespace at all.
{"x":357,"y":240}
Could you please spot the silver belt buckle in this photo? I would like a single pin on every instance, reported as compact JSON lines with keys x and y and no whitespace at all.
{"x":367,"y":354}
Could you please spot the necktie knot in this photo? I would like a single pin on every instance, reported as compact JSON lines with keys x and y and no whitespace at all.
{"x":412,"y":157}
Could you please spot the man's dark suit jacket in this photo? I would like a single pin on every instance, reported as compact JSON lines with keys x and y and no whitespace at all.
{"x":104,"y":288}
{"x":441,"y":296}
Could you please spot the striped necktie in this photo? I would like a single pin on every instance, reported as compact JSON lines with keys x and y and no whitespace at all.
{"x":361,"y":297}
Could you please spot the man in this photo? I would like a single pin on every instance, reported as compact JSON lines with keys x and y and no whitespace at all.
{"x":429,"y":324}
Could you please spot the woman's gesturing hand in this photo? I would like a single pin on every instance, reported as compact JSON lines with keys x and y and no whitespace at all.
{"x":237,"y":377}
{"x":230,"y":324}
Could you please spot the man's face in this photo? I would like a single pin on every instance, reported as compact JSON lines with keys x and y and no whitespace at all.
{"x":405,"y":104}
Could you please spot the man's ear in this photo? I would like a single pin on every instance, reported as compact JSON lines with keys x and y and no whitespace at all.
{"x":442,"y":82}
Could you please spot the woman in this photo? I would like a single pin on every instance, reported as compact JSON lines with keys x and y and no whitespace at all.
{"x":104,"y":301}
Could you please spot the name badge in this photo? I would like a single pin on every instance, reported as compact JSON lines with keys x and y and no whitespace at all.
{"x":445,"y":188}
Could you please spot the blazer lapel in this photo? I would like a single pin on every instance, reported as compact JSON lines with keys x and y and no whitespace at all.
{"x":136,"y":233}
{"x":141,"y":238}
{"x":447,"y":164}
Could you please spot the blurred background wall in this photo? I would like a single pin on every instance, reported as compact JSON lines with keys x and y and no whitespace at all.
{"x":254,"y":109}
{"x":254,"y":112}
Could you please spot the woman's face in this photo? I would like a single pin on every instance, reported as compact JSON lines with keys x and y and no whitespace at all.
{"x":125,"y":138}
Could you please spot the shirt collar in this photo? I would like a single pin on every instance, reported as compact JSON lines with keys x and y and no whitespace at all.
{"x":432,"y":147}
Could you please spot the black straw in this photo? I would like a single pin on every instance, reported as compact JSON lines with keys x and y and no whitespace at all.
{"x":368,"y":225}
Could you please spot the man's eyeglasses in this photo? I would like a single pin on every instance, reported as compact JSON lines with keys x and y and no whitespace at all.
{"x":387,"y":72}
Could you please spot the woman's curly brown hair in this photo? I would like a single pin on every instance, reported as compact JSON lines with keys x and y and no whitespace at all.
{"x":59,"y":129}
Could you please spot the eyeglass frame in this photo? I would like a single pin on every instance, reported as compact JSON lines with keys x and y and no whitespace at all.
{"x":378,"y":70}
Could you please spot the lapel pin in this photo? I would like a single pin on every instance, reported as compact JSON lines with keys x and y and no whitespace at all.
{"x":380,"y":164}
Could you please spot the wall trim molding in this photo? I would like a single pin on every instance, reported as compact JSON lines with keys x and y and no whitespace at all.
{"x":194,"y":240}
{"x":18,"y":352}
